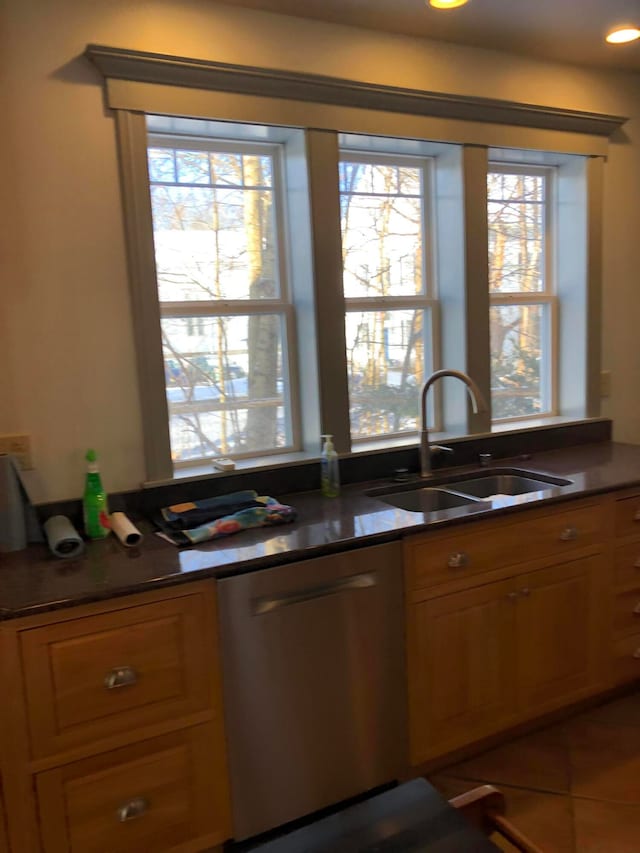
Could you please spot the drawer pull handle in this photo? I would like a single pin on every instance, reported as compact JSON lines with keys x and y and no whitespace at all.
{"x":636,"y":654}
{"x":569,"y":534}
{"x":458,"y":560}
{"x":121,"y":676}
{"x":133,"y":809}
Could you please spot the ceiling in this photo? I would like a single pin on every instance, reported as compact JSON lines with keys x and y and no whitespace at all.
{"x":566,"y":30}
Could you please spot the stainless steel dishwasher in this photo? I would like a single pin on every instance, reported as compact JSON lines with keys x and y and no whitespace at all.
{"x":314,"y":686}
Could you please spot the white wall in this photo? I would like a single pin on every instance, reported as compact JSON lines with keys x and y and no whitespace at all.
{"x":66,"y":349}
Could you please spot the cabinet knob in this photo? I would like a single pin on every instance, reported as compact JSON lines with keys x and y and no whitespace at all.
{"x":121,"y":676}
{"x":636,"y":515}
{"x":636,"y":654}
{"x":636,"y":565}
{"x":458,"y":560}
{"x":526,"y":592}
{"x":133,"y":809}
{"x":636,"y":609}
{"x":569,"y":534}
{"x":513,"y":596}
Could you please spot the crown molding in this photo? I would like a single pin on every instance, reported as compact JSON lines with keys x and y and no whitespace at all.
{"x":139,"y":66}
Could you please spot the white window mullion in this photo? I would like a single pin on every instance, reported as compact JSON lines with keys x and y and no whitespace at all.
{"x":192,"y":308}
{"x":389,"y":303}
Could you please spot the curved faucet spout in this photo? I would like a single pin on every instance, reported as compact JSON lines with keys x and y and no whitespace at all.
{"x":477,"y":401}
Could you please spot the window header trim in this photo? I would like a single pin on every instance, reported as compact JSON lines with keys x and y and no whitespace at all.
{"x":141,"y":66}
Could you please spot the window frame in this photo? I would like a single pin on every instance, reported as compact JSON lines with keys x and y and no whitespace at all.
{"x":427,"y":301}
{"x":280,"y":306}
{"x":460,"y":182}
{"x":546,"y":297}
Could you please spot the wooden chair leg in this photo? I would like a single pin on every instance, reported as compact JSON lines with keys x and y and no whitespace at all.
{"x":484,"y":806}
{"x":479,"y":804}
{"x":514,"y":836}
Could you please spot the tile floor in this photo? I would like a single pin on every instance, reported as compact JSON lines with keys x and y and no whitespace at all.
{"x":573,"y":787}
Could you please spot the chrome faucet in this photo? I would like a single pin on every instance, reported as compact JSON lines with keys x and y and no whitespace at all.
{"x":477,"y":401}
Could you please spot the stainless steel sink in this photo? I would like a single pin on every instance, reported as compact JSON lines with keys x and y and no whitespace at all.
{"x":506,"y":484}
{"x":465,"y":490}
{"x":427,"y":500}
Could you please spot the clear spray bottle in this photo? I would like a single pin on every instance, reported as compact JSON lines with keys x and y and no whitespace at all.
{"x":329,"y":471}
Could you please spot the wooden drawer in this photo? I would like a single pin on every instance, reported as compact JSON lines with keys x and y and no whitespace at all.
{"x":88,"y":678}
{"x":159,"y":795}
{"x":626,"y":663}
{"x":482,"y":547}
{"x":626,"y":612}
{"x":628,"y":565}
{"x":627,"y":521}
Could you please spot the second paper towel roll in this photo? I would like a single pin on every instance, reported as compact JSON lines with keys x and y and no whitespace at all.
{"x":126,"y":532}
{"x":62,"y":537}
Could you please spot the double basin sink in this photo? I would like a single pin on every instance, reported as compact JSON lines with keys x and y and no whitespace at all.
{"x":470,"y":490}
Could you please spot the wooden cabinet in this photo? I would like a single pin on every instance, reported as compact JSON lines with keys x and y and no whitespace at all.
{"x":626,"y":659}
{"x":557,"y":634}
{"x":4,"y":844}
{"x":114,"y":737}
{"x":627,"y":515}
{"x":624,"y":637}
{"x":461,"y":667}
{"x":484,"y":654}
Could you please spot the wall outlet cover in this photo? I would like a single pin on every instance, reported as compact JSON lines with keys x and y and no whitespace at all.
{"x":605,"y":383}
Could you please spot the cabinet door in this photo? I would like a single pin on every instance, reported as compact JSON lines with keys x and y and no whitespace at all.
{"x":558,"y":634}
{"x":461,"y":668}
{"x":4,"y":844}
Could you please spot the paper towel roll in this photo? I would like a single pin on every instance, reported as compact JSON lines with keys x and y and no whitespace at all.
{"x":124,"y":530}
{"x":64,"y":540}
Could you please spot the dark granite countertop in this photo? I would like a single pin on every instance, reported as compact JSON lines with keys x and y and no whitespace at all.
{"x":33,"y":581}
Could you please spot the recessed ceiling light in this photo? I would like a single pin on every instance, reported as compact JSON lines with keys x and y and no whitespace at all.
{"x":621,"y":35}
{"x":447,"y":4}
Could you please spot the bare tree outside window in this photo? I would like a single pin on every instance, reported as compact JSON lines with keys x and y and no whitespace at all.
{"x":389,"y":317}
{"x":520,"y":291}
{"x":223,"y":310}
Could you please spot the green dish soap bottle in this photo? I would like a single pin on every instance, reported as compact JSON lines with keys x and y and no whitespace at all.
{"x":329,"y":472}
{"x":94,"y":501}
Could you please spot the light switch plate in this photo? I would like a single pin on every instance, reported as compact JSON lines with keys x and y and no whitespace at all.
{"x":20,"y":447}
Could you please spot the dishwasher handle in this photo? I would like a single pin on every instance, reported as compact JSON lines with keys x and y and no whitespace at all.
{"x":268,"y":605}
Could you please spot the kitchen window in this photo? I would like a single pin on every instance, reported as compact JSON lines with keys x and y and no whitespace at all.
{"x":288,"y":282}
{"x":388,"y":289}
{"x":233,"y":242}
{"x":225,"y":314}
{"x":523,"y":306}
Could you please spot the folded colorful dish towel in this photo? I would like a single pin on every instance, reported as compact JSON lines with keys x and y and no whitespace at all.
{"x":199,"y":521}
